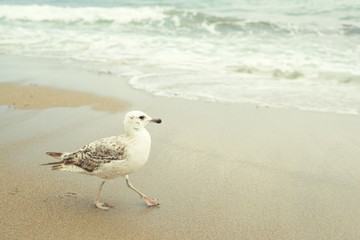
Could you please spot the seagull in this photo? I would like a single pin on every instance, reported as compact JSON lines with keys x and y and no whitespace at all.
{"x":112,"y":157}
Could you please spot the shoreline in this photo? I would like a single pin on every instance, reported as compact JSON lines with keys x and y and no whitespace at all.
{"x":220,"y":171}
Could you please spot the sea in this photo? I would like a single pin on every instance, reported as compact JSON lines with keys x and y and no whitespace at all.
{"x":302,"y":54}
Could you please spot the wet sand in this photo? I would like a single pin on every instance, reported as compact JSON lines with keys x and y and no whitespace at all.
{"x":40,"y":97}
{"x":220,"y":171}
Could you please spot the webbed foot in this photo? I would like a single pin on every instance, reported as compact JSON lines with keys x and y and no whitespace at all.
{"x":103,"y":206}
{"x":150,"y":202}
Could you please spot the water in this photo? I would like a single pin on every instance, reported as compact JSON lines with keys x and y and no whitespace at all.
{"x":293,"y":54}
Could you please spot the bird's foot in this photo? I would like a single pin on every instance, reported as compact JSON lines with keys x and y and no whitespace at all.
{"x":103,"y":206}
{"x":150,"y":202}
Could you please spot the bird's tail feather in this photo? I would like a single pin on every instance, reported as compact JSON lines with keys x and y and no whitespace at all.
{"x":56,"y":165}
{"x":52,"y":163}
{"x":56,"y":155}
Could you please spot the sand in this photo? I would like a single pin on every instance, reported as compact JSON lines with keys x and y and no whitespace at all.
{"x":220,"y":171}
{"x":39,"y":97}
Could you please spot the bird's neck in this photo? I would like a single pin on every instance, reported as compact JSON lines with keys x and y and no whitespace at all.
{"x":134,"y":131}
{"x":140,"y":136}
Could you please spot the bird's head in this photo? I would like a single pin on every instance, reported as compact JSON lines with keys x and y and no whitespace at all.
{"x":136,"y":120}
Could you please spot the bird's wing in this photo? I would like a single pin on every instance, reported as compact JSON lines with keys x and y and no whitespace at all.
{"x":97,"y":153}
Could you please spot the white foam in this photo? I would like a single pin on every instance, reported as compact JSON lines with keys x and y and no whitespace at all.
{"x":301,"y":93}
{"x":83,"y":14}
{"x":153,"y":47}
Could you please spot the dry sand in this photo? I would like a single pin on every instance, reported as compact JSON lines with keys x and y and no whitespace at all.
{"x":220,"y":171}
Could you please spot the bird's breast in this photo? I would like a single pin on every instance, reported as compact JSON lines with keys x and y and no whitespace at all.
{"x":138,"y":151}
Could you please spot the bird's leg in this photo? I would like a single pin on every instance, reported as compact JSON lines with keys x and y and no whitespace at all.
{"x":103,"y":206}
{"x":150,"y":202}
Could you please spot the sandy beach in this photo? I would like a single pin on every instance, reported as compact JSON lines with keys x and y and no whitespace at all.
{"x":220,"y":171}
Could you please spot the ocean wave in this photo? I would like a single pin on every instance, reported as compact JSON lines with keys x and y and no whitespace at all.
{"x":45,"y":13}
{"x":161,"y":18}
{"x":351,"y":29}
{"x":274,"y":73}
{"x":200,"y":55}
{"x":340,"y":77}
{"x":323,"y":96}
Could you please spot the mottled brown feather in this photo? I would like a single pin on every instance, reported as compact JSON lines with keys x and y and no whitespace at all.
{"x":92,"y":156}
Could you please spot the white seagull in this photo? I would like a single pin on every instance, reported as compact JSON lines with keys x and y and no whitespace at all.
{"x":112,"y":157}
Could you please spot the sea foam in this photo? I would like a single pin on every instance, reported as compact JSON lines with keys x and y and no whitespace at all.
{"x":288,"y":61}
{"x":38,"y":13}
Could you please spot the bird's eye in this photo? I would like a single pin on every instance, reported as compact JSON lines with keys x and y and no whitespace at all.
{"x":142,"y":117}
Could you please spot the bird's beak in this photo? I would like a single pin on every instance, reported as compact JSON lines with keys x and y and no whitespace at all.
{"x":158,"y":120}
